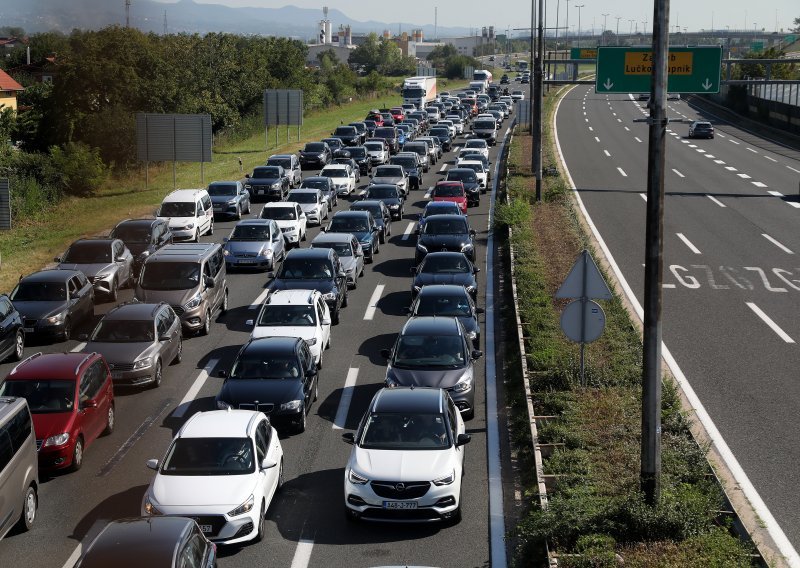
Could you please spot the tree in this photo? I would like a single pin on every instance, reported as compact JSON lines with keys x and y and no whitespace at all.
{"x":796,"y":25}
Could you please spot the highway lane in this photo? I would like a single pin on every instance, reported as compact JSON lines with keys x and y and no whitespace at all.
{"x":731,"y":274}
{"x":306,"y":522}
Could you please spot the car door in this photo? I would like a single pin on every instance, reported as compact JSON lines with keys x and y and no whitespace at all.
{"x":456,"y":427}
{"x":166,"y":336}
{"x":324,"y":318}
{"x":8,"y":329}
{"x":268,"y":478}
{"x":359,"y":254}
{"x":124,"y":260}
{"x":302,"y":220}
{"x":297,"y":174}
{"x":91,"y":416}
{"x":309,"y":372}
{"x":244,"y":197}
{"x":278,"y":243}
{"x":77,"y":299}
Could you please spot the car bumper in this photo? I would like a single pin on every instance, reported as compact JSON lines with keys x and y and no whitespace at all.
{"x":217,"y":526}
{"x":261,"y":262}
{"x":183,"y":234}
{"x":231,"y":211}
{"x":103,"y":286}
{"x":436,"y":505}
{"x":191,"y":320}
{"x":308,"y":163}
{"x":138,"y":377}
{"x":344,"y":190}
{"x":44,"y":330}
{"x":265,"y":195}
{"x":291,"y":237}
{"x":54,"y":458}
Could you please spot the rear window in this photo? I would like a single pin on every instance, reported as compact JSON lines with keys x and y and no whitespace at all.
{"x":315,"y":147}
{"x":389,"y":171}
{"x":484,"y":124}
{"x":345,"y":131}
{"x":385,"y":132}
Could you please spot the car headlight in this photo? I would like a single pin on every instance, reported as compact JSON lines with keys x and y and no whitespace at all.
{"x":142,"y":363}
{"x":321,"y":156}
{"x":222,"y":405}
{"x":422,"y":247}
{"x":471,"y":289}
{"x":230,"y":203}
{"x":355,"y":478}
{"x":446,"y":480}
{"x":394,"y":206}
{"x":463,"y":385}
{"x":56,"y":318}
{"x":276,"y":185}
{"x":248,"y":186}
{"x":245,"y":507}
{"x":149,"y":506}
{"x":472,"y":335}
{"x":291,"y":405}
{"x":226,"y":252}
{"x":57,"y":440}
{"x":265,"y":251}
{"x":312,"y":341}
{"x":103,"y":275}
{"x":466,"y":247}
{"x":194,"y":302}
{"x":329,"y":296}
{"x":417,"y":288}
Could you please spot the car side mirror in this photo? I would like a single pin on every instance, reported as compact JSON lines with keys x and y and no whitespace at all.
{"x":349,"y":438}
{"x":57,"y":259}
{"x":224,"y":239}
{"x":222,"y":374}
{"x":164,"y":338}
{"x":323,"y":229}
{"x":463,"y":439}
{"x":152,"y":464}
{"x":249,"y":323}
{"x":120,"y":259}
{"x":476,"y":354}
{"x":479,"y":310}
{"x":472,"y":232}
{"x":270,"y":274}
{"x":326,"y":321}
{"x":209,"y":282}
{"x":413,"y":270}
{"x":247,"y":176}
{"x":386,"y":353}
{"x":311,"y":372}
{"x":475,"y":269}
{"x":89,"y":403}
{"x":268,"y":463}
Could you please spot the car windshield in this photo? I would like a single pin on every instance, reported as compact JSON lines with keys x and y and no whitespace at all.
{"x":334,"y":172}
{"x":475,"y":144}
{"x":315,"y":184}
{"x":122,"y":331}
{"x":303,"y":197}
{"x":209,"y":456}
{"x":314,"y":147}
{"x":448,"y":191}
{"x":403,"y":161}
{"x":349,"y":225}
{"x":44,"y":396}
{"x":132,"y":233}
{"x":484,"y":124}
{"x":285,"y":162}
{"x":440,"y":132}
{"x":448,"y":264}
{"x":478,"y":168}
{"x":170,"y":275}
{"x":279,"y":213}
{"x":345,"y":131}
{"x":250,"y":233}
{"x":461,"y":175}
{"x":177,"y":209}
{"x":389,"y":171}
{"x":396,"y":431}
{"x":268,"y":367}
{"x":381,"y":192}
{"x":440,"y":226}
{"x":429,"y":351}
{"x":88,"y":252}
{"x":376,"y":210}
{"x":288,"y":315}
{"x":441,"y":208}
{"x":266,"y":173}
{"x":451,"y":306}
{"x":306,"y":269}
{"x":358,"y":152}
{"x":40,"y":292}
{"x":342,"y":249}
{"x":374,"y":146}
{"x":222,"y":190}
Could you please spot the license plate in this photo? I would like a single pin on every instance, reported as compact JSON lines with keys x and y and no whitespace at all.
{"x":206,"y":528}
{"x":116,"y":374}
{"x":246,"y":261}
{"x":261,"y":192}
{"x":401,"y":505}
{"x":27,"y":329}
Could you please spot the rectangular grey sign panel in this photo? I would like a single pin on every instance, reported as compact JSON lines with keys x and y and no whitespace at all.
{"x":5,"y":204}
{"x":173,"y":137}
{"x":283,"y":106}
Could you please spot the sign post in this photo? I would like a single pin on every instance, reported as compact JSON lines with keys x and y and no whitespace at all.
{"x":628,"y":69}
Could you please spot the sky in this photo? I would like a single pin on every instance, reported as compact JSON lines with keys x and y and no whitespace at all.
{"x":691,"y":14}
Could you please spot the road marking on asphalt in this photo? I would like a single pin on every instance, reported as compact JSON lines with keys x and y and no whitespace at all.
{"x":619,"y":120}
{"x":456,"y":149}
{"x":692,"y":146}
{"x":596,"y":139}
{"x":731,"y":169}
{"x":743,"y":176}
{"x":685,"y":142}
{"x":584,"y":113}
{"x":768,"y":320}
{"x":586,"y":119}
{"x":373,"y":302}
{"x":678,"y":173}
{"x":198,"y":383}
{"x":721,"y":162}
{"x":751,"y":150}
{"x":73,"y":558}
{"x":779,"y":194}
{"x":626,"y":128}
{"x":302,"y":554}
{"x":443,"y":168}
{"x":688,"y":243}
{"x":711,"y":156}
{"x":668,"y":286}
{"x":771,"y":159}
{"x":643,"y":196}
{"x":347,"y":397}
{"x":591,"y":129}
{"x":715,"y":200}
{"x":622,"y":172}
{"x":721,"y":135}
{"x":637,"y":139}
{"x":784,"y":248}
{"x":409,"y":229}
{"x":700,"y":150}
{"x":607,"y":153}
{"x":259,"y":300}
{"x":733,"y":141}
{"x":794,"y":170}
{"x":759,"y":184}
{"x":78,"y":347}
{"x":615,"y":114}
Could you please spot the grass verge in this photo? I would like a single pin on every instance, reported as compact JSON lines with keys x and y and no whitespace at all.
{"x":596,"y":515}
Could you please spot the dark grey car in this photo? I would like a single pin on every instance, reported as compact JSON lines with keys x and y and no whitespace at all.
{"x":449,"y":300}
{"x":350,"y":254}
{"x":143,"y":237}
{"x":107,"y":263}
{"x":229,"y":198}
{"x":268,"y":183}
{"x":137,"y":341}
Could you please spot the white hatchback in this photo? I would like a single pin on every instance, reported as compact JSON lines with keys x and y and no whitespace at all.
{"x":343,"y":177}
{"x":295,"y":313}
{"x":291,"y":219}
{"x":477,"y":144}
{"x":222,"y":469}
{"x":312,"y":202}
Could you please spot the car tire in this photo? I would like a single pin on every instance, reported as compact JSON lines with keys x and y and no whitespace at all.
{"x":111,"y":420}
{"x":301,"y":427}
{"x":67,"y":333}
{"x":19,"y":345}
{"x":196,"y":238}
{"x":158,"y":375}
{"x":335,"y":318}
{"x":206,"y":329}
{"x":303,"y":238}
{"x":113,"y":293}
{"x":29,"y":506}
{"x":316,"y":388}
{"x":223,"y":309}
{"x":280,"y":483}
{"x":247,"y":211}
{"x":354,"y":285}
{"x":262,"y":529}
{"x":382,"y":237}
{"x":345,"y":300}
{"x":77,"y":455}
{"x":238,"y":213}
{"x":319,"y":363}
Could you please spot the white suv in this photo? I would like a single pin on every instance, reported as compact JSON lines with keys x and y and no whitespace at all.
{"x":313,"y":203}
{"x":189,"y":213}
{"x":222,"y":469}
{"x":407,"y":459}
{"x":296,"y":313}
{"x":343,"y":177}
{"x":290,"y":218}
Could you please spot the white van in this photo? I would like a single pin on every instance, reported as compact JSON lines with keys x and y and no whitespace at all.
{"x":478,"y":86}
{"x":189,"y":213}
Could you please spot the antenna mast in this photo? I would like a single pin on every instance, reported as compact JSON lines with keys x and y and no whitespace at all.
{"x":127,"y":13}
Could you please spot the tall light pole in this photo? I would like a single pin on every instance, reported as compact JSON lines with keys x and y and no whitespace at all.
{"x":579,"y":22}
{"x":604,"y":26}
{"x":630,"y":31}
{"x":618,"y":19}
{"x":566,"y":25}
{"x":538,"y":77}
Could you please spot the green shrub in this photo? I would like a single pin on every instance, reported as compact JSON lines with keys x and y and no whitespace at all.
{"x":81,"y":168}
{"x":513,"y":214}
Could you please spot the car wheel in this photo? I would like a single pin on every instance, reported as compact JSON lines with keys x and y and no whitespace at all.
{"x":345,"y":299}
{"x":111,"y":421}
{"x":316,"y":387}
{"x":211,"y":228}
{"x":29,"y":506}
{"x":67,"y":333}
{"x":247,"y":211}
{"x":335,"y":318}
{"x":354,"y":284}
{"x":179,"y":355}
{"x":382,"y":237}
{"x":196,"y":235}
{"x":77,"y":455}
{"x":279,"y":486}
{"x":206,"y":329}
{"x":303,"y":238}
{"x":262,"y":529}
{"x":238,"y":213}
{"x":362,"y":271}
{"x":158,"y":374}
{"x":301,"y":427}
{"x":19,"y":345}
{"x":224,"y":307}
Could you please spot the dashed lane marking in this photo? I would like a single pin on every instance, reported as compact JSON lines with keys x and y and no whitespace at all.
{"x":768,"y":320}
{"x":781,"y":246}
{"x":715,"y":200}
{"x":688,"y":243}
{"x":340,"y":420}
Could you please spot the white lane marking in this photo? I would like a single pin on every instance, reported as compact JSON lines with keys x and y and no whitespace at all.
{"x":584,"y":113}
{"x":779,"y":194}
{"x":428,"y":194}
{"x":626,"y":128}
{"x":78,"y":347}
{"x":784,"y":248}
{"x":615,"y":114}
{"x":456,"y":149}
{"x":619,"y":120}
{"x":408,"y":231}
{"x":731,"y":169}
{"x":637,"y":139}
{"x":715,"y":200}
{"x":771,"y":159}
{"x":259,"y":300}
{"x":607,"y":153}
{"x":194,"y":389}
{"x":685,"y":142}
{"x":347,"y":397}
{"x":733,"y":141}
{"x":643,"y":196}
{"x":743,"y":176}
{"x":586,"y":119}
{"x":784,"y":545}
{"x":73,"y":558}
{"x":711,"y":156}
{"x":679,"y":174}
{"x":700,"y":150}
{"x":758,"y":184}
{"x":670,"y":286}
{"x":794,"y":170}
{"x":751,"y":150}
{"x":622,"y":172}
{"x":692,"y":145}
{"x":720,"y":162}
{"x":688,"y":243}
{"x":720,"y":135}
{"x":373,"y":302}
{"x":443,"y":168}
{"x":596,"y":139}
{"x":302,"y":554}
{"x":668,"y":130}
{"x":768,"y":320}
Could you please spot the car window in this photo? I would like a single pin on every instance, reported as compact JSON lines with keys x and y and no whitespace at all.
{"x":5,"y":308}
{"x":206,"y":200}
{"x":6,"y":451}
{"x":193,"y":552}
{"x":73,"y":287}
{"x":305,"y":357}
{"x":19,"y":429}
{"x":198,"y":210}
{"x":261,"y":441}
{"x":162,"y":324}
{"x":92,"y":380}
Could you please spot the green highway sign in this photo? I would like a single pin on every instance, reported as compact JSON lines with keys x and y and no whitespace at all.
{"x":583,"y":53}
{"x":757,"y":46}
{"x":628,"y":69}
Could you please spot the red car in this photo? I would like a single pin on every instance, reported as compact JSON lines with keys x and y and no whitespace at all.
{"x":71,"y":398}
{"x":376,"y":116}
{"x":450,"y":191}
{"x":398,"y":114}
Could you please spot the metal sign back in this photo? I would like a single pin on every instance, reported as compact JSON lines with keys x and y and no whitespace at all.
{"x":583,"y":322}
{"x":584,"y":280}
{"x":5,"y":204}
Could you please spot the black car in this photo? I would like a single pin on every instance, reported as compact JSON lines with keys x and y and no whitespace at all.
{"x":422,"y":118}
{"x":325,"y":185}
{"x":411,"y":164}
{"x":315,"y":269}
{"x":347,"y":134}
{"x":361,"y":158}
{"x":371,"y":126}
{"x":390,"y":195}
{"x":388,"y":133}
{"x":12,"y":337}
{"x":362,"y":225}
{"x":334,"y":144}
{"x":445,"y":268}
{"x":361,"y":128}
{"x":143,"y":237}
{"x":701,"y":129}
{"x":380,"y":213}
{"x":445,"y":233}
{"x":53,"y":302}
{"x":276,"y":375}
{"x":449,"y":300}
{"x":472,"y":186}
{"x":268,"y":183}
{"x":315,"y":155}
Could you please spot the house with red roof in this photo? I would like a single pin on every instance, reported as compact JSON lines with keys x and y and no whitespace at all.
{"x":9,"y":89}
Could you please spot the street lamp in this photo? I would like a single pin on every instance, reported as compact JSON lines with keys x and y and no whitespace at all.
{"x":579,"y":22}
{"x":566,"y":25}
{"x":618,"y":19}
{"x":630,"y":31}
{"x":604,"y":27}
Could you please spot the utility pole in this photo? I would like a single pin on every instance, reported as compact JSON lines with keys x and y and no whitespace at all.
{"x":579,"y":22}
{"x":127,"y":13}
{"x":618,"y":19}
{"x":604,"y":26}
{"x":436,"y":23}
{"x":630,"y":32}
{"x":650,"y":476}
{"x":165,"y":22}
{"x":538,"y":76}
{"x":566,"y":33}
